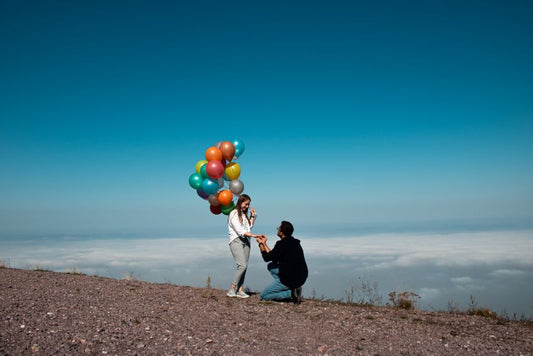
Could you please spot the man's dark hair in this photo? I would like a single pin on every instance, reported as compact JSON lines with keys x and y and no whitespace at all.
{"x":286,"y":228}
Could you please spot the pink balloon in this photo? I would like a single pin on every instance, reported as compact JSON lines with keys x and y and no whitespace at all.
{"x":214,"y":169}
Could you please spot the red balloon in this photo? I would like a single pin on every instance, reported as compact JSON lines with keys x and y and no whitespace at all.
{"x":215,"y":209}
{"x":214,"y":169}
{"x":227,"y":149}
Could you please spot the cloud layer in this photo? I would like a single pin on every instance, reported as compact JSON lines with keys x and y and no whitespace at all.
{"x":403,"y":250}
{"x":495,"y":266}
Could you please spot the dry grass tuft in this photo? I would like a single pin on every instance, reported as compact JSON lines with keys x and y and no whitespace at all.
{"x":75,"y":270}
{"x":404,"y":300}
{"x":129,"y":276}
{"x":484,"y":312}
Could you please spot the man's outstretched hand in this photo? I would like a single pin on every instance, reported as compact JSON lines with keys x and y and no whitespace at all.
{"x":261,"y":239}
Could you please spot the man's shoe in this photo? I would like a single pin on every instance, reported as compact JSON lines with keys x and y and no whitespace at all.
{"x":241,"y":294}
{"x":231,"y":293}
{"x":296,"y":295}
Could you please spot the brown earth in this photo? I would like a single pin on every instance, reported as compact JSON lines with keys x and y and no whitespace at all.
{"x":50,"y":313}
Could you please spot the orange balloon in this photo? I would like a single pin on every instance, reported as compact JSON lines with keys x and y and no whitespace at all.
{"x":213,"y":154}
{"x":227,"y":149}
{"x":225,"y":197}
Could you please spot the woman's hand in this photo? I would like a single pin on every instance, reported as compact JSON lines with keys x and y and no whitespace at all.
{"x":253,"y":213}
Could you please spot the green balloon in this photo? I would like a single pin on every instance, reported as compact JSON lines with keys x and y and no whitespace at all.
{"x":195,"y":180}
{"x":226,"y":209}
{"x":203,"y":171}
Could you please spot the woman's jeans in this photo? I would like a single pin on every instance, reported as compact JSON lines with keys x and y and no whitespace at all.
{"x":240,"y":249}
{"x":276,"y":290}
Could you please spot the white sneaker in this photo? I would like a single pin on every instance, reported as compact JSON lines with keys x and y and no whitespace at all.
{"x":231,"y":293}
{"x":241,"y":294}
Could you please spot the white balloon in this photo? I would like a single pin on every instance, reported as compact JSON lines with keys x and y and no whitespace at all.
{"x":236,"y":186}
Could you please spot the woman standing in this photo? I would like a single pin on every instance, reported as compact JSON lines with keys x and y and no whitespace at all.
{"x":239,"y":226}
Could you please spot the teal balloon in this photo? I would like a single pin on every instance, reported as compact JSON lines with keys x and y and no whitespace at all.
{"x":239,"y":147}
{"x":195,"y":180}
{"x":210,"y":186}
{"x":203,"y":171}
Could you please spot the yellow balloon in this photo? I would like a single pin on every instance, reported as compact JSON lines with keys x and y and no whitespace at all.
{"x":233,"y":170}
{"x":199,"y":165}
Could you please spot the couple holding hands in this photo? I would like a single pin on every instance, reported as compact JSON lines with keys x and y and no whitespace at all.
{"x":287,"y":262}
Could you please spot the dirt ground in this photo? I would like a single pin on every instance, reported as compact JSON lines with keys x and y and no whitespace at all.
{"x":50,"y":313}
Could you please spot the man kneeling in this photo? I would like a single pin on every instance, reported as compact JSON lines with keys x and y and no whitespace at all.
{"x":287,"y":266}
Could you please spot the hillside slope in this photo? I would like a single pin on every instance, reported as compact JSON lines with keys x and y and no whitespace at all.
{"x":64,"y":314}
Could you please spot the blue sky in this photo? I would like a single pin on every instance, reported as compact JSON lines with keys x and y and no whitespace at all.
{"x":355,"y":113}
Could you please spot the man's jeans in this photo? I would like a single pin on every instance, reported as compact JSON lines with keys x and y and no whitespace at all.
{"x":276,"y":290}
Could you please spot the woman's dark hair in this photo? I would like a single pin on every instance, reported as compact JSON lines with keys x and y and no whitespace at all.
{"x":286,"y":228}
{"x":240,"y":213}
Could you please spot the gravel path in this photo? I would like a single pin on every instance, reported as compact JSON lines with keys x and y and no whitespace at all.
{"x":50,"y":313}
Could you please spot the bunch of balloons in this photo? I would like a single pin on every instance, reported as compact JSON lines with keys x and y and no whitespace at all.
{"x":217,"y":176}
